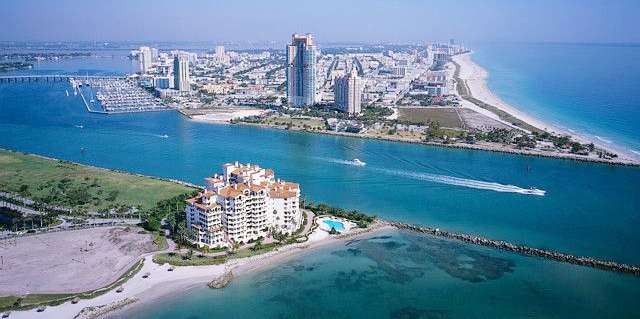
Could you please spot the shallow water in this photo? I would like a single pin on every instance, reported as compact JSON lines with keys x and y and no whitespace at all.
{"x":403,"y":275}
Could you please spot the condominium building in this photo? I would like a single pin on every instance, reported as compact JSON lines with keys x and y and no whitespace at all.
{"x":181,"y":73}
{"x":301,"y":71}
{"x":145,"y":59}
{"x":348,"y":92}
{"x":244,"y":203}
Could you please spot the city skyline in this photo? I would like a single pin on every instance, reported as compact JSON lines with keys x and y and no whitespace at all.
{"x":400,"y":21}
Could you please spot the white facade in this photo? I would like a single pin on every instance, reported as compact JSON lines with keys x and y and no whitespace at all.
{"x":145,"y":58}
{"x":245,"y":203}
{"x":348,"y":93}
{"x":181,"y":73}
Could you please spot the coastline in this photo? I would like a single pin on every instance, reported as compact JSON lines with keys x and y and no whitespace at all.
{"x":478,"y":146}
{"x":624,"y":158}
{"x":162,"y":283}
{"x":475,"y":79}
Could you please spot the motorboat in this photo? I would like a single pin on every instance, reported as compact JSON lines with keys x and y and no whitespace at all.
{"x":358,"y":162}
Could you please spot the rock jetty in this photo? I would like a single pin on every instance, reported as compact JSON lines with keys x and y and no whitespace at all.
{"x":521,"y":249}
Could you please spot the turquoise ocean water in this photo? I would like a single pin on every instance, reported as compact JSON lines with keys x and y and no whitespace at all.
{"x":588,"y":209}
{"x":591,"y":89}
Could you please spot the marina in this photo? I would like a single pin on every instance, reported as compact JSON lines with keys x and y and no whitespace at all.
{"x":115,"y":96}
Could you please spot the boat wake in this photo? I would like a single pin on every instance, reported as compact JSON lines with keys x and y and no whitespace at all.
{"x":354,"y":162}
{"x":448,"y":180}
{"x":463,"y":182}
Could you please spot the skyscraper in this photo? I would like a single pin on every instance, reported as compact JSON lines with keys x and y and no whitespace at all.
{"x":181,"y":73}
{"x":348,"y":92}
{"x":301,"y":71}
{"x":145,"y":59}
{"x":220,"y":51}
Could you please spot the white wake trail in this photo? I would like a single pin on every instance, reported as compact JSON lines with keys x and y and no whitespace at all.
{"x":463,"y":182}
{"x":449,"y":180}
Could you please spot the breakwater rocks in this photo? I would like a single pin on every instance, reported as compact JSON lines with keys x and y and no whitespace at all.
{"x":221,"y":281}
{"x":523,"y":250}
{"x":96,"y":312}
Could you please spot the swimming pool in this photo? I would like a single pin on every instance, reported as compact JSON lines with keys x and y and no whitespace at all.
{"x":334,"y":224}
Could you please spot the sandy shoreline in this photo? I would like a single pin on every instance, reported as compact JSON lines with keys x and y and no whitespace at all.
{"x":476,"y":76}
{"x":162,"y":283}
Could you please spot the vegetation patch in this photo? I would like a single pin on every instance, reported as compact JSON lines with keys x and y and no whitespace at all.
{"x":79,"y":187}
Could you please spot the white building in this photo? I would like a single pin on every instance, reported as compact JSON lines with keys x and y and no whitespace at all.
{"x":181,"y":73}
{"x":245,"y":203}
{"x":348,"y":92}
{"x":145,"y":58}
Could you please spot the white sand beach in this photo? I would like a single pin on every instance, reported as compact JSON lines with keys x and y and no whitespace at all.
{"x":476,"y":79}
{"x":162,"y":282}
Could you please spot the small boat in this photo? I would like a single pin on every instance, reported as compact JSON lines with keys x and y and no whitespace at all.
{"x":75,"y":92}
{"x":66,"y":92}
{"x":358,"y":162}
{"x":92,"y":101}
{"x":164,"y":136}
{"x":80,"y":126}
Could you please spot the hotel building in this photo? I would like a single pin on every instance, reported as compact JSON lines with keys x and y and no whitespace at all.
{"x":181,"y":73}
{"x":348,"y":93}
{"x":301,"y":71}
{"x":245,"y":203}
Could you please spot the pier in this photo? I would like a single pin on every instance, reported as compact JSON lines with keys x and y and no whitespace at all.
{"x":52,"y":78}
{"x":521,"y":249}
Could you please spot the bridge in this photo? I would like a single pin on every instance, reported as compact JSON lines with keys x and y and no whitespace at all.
{"x":54,"y":78}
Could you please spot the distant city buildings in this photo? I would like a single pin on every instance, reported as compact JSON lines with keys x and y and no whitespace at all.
{"x":181,"y":73}
{"x":243,"y":204}
{"x":301,"y":71}
{"x":220,"y":55}
{"x":348,"y":92}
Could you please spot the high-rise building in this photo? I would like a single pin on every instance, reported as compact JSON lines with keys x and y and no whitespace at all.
{"x":145,"y":58}
{"x":220,"y":51}
{"x":301,"y":71}
{"x":348,"y":92}
{"x":154,"y":55}
{"x":181,"y":73}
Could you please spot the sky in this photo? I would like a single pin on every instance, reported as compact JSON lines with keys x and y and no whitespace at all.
{"x":397,"y":21}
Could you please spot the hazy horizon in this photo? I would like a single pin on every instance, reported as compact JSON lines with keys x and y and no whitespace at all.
{"x":373,"y":21}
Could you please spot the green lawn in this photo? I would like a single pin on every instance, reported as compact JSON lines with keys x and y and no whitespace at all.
{"x":80,"y":187}
{"x":447,"y":117}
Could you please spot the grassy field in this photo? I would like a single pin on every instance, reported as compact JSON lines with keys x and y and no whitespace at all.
{"x":80,"y":187}
{"x":448,"y":117}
